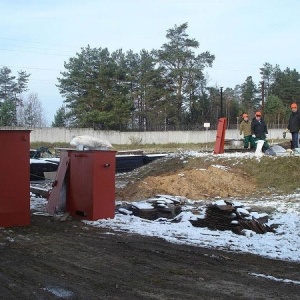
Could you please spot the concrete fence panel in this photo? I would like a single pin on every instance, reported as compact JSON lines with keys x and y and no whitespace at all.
{"x":65,"y":135}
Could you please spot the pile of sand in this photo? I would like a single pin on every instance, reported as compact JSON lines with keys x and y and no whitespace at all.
{"x":193,"y":184}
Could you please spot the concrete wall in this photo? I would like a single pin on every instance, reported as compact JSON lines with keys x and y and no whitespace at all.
{"x":64,"y":135}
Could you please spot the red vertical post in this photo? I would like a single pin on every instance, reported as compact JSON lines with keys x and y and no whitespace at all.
{"x":14,"y":178}
{"x":220,"y":138}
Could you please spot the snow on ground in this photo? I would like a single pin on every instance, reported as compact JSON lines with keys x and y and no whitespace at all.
{"x":275,"y":279}
{"x":283,"y":211}
{"x":284,"y":244}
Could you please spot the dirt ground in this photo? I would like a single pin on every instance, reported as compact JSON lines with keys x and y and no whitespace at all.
{"x":68,"y":260}
{"x":192,"y":184}
{"x":54,"y":259}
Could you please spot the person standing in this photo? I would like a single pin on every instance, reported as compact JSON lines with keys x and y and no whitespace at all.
{"x":259,"y":130}
{"x":294,"y":125}
{"x":245,"y":128}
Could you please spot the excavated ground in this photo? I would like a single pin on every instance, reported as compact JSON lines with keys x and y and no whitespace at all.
{"x":192,"y":184}
{"x":52,"y":259}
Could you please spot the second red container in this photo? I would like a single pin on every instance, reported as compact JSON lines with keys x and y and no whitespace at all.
{"x":91,"y":190}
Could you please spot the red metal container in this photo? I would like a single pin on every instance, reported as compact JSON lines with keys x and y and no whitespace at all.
{"x":91,"y":191}
{"x":14,"y":178}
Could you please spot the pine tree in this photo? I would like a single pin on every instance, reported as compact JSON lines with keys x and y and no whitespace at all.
{"x":11,"y":89}
{"x":182,"y":67}
{"x":60,"y":118}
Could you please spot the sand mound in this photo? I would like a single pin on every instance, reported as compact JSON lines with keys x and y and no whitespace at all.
{"x":193,"y":184}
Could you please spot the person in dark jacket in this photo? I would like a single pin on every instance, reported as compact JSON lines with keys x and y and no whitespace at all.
{"x":259,"y":130}
{"x":294,"y":125}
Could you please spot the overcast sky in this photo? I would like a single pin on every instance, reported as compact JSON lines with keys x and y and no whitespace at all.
{"x":38,"y":36}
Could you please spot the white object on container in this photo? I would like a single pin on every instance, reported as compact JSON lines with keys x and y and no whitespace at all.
{"x":83,"y":142}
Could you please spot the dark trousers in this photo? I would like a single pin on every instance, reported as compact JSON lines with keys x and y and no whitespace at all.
{"x":248,"y":140}
{"x":295,"y":140}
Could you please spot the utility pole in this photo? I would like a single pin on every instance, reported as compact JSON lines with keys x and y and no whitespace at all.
{"x":221,"y":102}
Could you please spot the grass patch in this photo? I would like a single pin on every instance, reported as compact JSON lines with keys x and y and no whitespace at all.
{"x":281,"y":173}
{"x":275,"y":174}
{"x":36,"y":145}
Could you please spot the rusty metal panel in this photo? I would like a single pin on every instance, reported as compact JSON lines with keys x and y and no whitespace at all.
{"x":14,"y":178}
{"x":54,"y":196}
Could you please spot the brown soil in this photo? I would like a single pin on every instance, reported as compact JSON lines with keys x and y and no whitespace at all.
{"x":193,"y":184}
{"x":52,"y":259}
{"x":69,"y":260}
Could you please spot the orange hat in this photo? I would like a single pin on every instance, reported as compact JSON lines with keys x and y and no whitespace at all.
{"x":258,"y":113}
{"x":294,"y":105}
{"x":245,"y":116}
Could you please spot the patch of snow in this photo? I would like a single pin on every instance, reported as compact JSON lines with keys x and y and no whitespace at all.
{"x":142,"y":205}
{"x":284,"y":244}
{"x":283,"y":212}
{"x":41,"y":161}
{"x":275,"y":279}
{"x":221,"y":167}
{"x":59,"y":292}
{"x":219,"y":202}
{"x":242,"y":211}
{"x":125,"y":211}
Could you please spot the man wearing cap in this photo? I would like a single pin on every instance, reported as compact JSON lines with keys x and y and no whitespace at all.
{"x":294,"y":125}
{"x":245,"y":127}
{"x":259,"y":130}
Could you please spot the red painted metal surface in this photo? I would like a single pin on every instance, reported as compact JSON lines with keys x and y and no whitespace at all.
{"x":60,"y":179}
{"x":91,"y":192}
{"x":14,"y":178}
{"x":220,"y":138}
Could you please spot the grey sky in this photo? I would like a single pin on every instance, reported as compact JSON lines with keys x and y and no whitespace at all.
{"x":38,"y":36}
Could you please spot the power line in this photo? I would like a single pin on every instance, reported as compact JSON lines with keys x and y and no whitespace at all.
{"x":12,"y":50}
{"x":69,"y":54}
{"x":31,"y":68}
{"x":34,"y":42}
{"x":43,"y":48}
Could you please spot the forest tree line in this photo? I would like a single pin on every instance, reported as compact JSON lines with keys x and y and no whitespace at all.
{"x":151,"y":90}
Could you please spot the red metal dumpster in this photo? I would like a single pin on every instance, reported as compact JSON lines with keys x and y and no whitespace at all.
{"x":91,"y":190}
{"x":14,"y":178}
